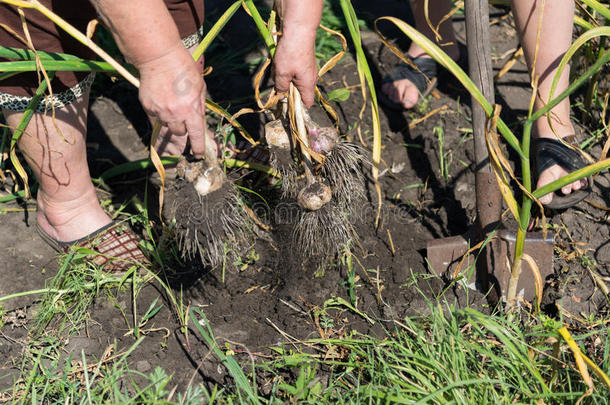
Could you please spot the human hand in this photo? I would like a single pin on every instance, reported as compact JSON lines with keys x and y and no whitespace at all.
{"x":172,"y":90}
{"x":295,"y":62}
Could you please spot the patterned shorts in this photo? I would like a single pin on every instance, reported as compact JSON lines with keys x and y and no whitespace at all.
{"x":16,"y":91}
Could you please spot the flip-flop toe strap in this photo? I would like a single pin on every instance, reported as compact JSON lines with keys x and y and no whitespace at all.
{"x":422,"y":74}
{"x":550,"y":152}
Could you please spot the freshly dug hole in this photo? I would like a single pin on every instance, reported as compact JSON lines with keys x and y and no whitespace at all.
{"x":211,"y":226}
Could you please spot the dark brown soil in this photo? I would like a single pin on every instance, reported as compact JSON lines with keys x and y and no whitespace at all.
{"x":271,"y":299}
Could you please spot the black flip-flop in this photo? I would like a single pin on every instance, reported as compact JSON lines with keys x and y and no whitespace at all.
{"x":549,"y":152}
{"x":423,"y":74}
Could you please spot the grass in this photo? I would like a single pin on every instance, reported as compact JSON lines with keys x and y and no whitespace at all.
{"x":110,"y":380}
{"x":326,"y":44}
{"x":447,"y":355}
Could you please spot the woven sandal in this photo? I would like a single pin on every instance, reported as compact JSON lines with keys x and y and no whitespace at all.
{"x":115,"y":246}
{"x":423,"y":75}
{"x":549,"y":152}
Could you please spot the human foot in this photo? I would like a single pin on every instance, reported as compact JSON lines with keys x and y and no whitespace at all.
{"x":554,"y":160}
{"x":403,"y":86}
{"x":70,"y":220}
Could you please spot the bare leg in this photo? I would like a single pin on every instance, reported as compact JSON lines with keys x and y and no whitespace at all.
{"x":403,"y":91}
{"x":68,"y":208}
{"x":555,"y":39}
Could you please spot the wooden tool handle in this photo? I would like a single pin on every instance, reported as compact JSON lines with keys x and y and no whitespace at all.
{"x":489,"y":198}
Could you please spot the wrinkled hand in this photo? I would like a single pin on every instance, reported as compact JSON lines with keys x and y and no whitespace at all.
{"x":173,"y":90}
{"x":295,"y":62}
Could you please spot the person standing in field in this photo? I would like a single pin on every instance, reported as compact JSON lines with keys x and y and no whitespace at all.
{"x":404,"y":86}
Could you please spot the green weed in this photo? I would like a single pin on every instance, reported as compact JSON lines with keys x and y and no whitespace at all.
{"x":243,"y":263}
{"x":327,"y":45}
{"x":448,"y":356}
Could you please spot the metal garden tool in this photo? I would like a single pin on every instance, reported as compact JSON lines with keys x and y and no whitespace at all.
{"x":455,"y":255}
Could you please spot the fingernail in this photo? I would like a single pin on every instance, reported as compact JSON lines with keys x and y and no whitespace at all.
{"x":546,"y":199}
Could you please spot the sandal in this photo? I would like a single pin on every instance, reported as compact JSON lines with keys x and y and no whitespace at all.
{"x":549,"y":152}
{"x":115,"y":246}
{"x":423,"y":75}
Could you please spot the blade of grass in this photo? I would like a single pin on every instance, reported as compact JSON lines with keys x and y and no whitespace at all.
{"x":579,"y":42}
{"x":599,"y":7}
{"x":26,"y":54}
{"x":212,"y":106}
{"x":215,"y":30}
{"x":580,"y":363}
{"x":474,"y":381}
{"x":581,"y":22}
{"x":572,"y":177}
{"x":229,"y":361}
{"x":57,"y":65}
{"x":23,"y":124}
{"x":134,"y":166}
{"x":262,"y":29}
{"x":17,"y":195}
{"x":7,"y":75}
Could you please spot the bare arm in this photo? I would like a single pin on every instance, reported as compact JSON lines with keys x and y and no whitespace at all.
{"x":172,"y":87}
{"x":295,"y":56}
